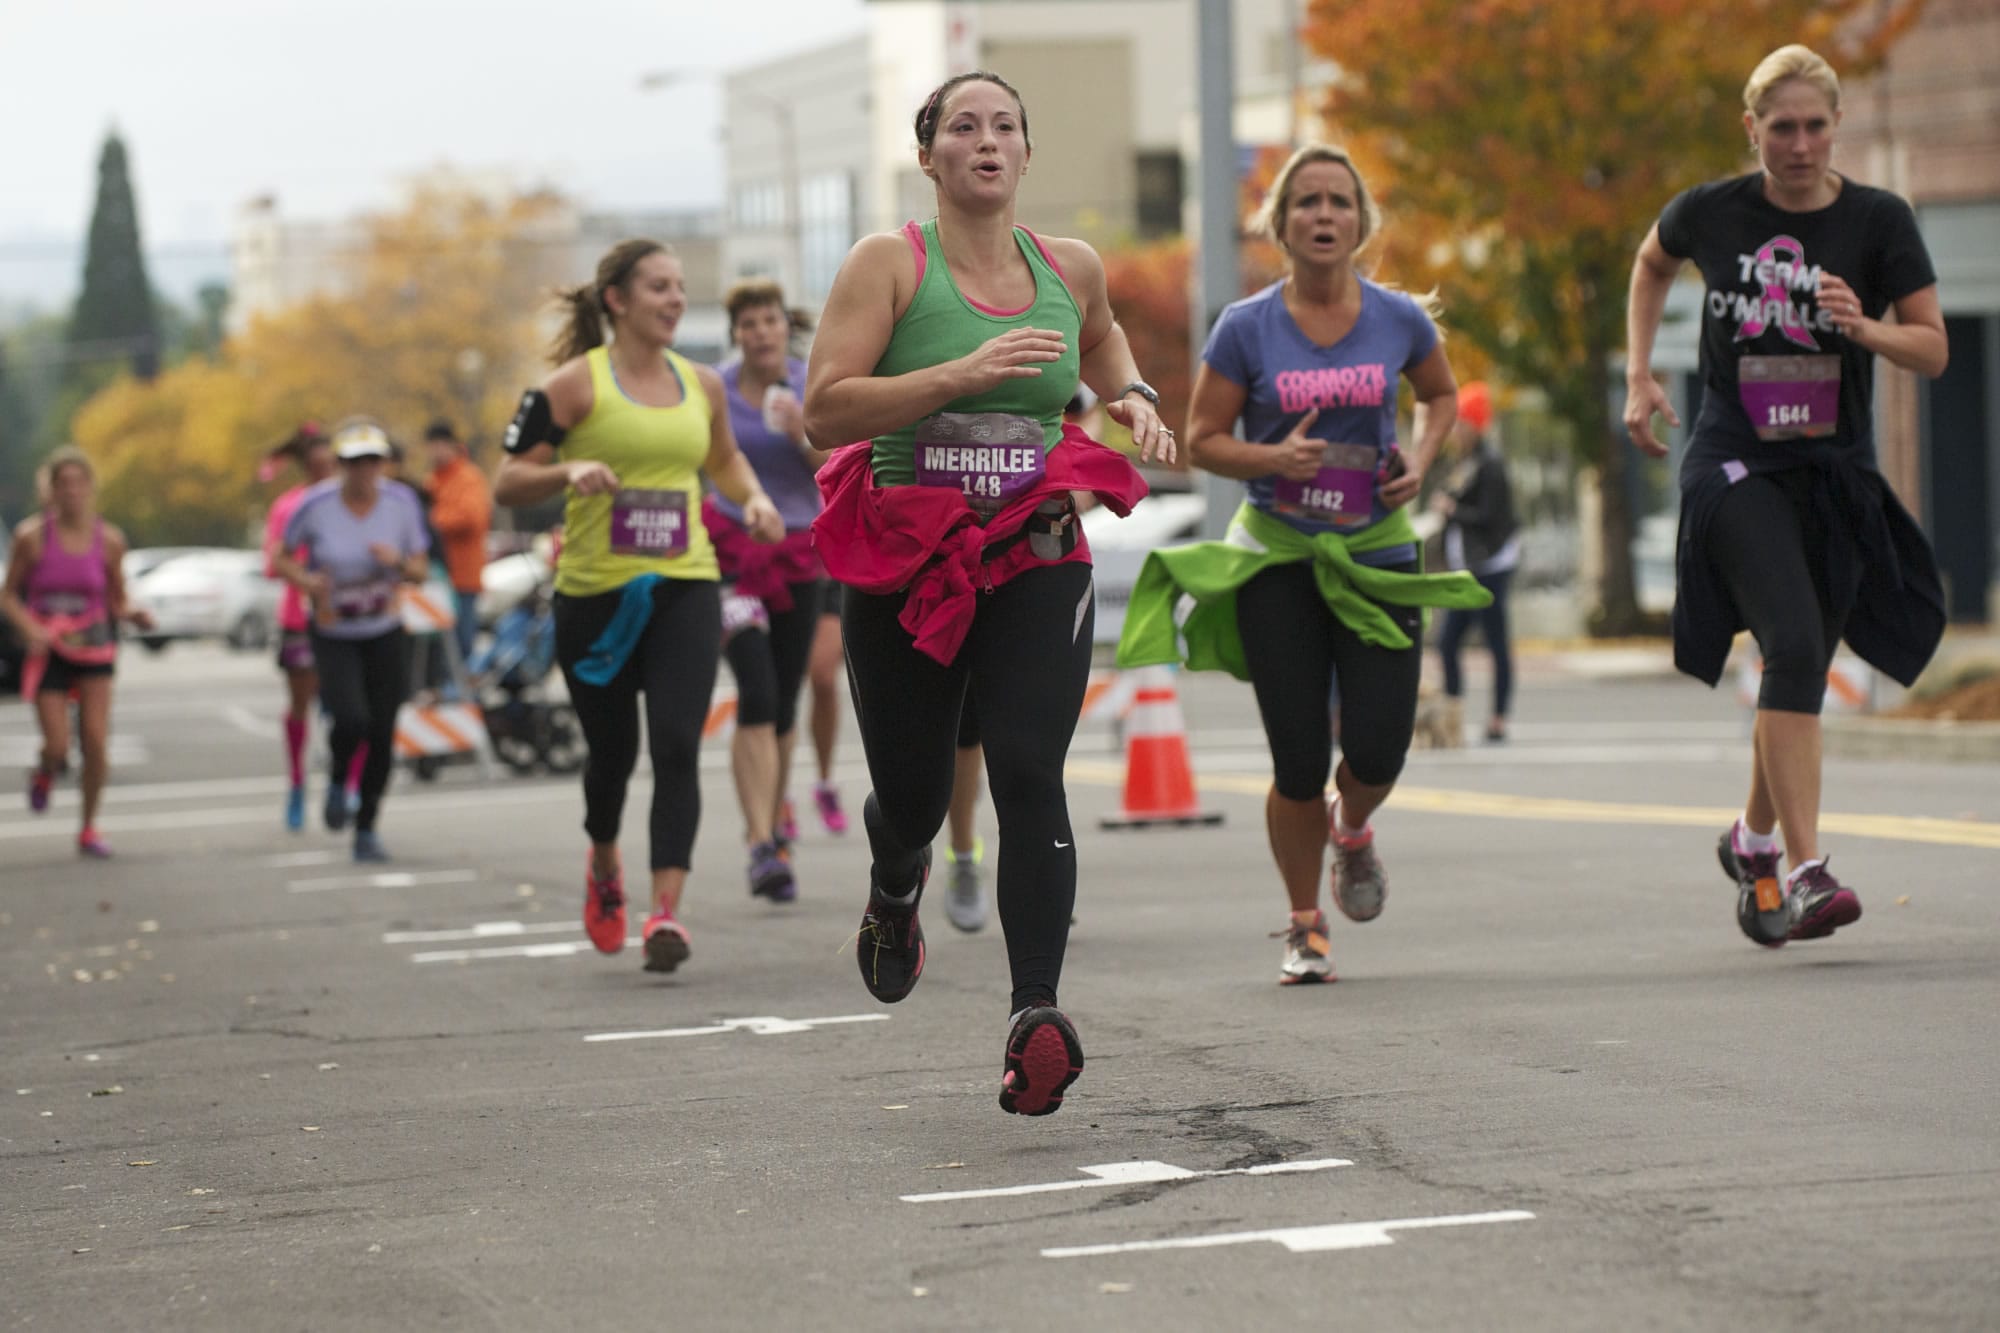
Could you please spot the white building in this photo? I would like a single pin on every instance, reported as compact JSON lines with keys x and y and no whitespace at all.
{"x":822,"y":147}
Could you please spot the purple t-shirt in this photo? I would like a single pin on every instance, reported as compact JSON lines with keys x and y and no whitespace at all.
{"x":336,"y":542}
{"x":786,"y":476}
{"x":1258,"y":345}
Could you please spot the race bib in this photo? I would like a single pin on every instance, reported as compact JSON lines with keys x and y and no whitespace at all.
{"x":740,"y":613}
{"x":1790,"y":397}
{"x":1341,"y":493}
{"x":363,"y":601}
{"x":649,"y":523}
{"x":990,"y":458}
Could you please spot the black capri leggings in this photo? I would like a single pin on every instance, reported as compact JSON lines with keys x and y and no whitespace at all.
{"x":674,"y":662}
{"x":1027,"y":658}
{"x":362,"y":684}
{"x":1772,"y":558}
{"x":770,"y":666}
{"x":1297,"y":650}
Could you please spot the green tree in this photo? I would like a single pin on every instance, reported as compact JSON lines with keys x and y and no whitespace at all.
{"x":1526,"y":161}
{"x":114,"y":320}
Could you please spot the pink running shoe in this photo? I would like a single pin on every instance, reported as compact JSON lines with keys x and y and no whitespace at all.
{"x":90,"y":844}
{"x":666,"y":942}
{"x":788,"y":827}
{"x":604,"y":909}
{"x":1043,"y":1059}
{"x":827,"y":798}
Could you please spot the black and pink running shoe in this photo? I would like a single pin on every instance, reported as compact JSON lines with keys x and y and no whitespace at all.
{"x":1762,"y":911}
{"x":1821,"y":904}
{"x":890,"y":944}
{"x":1044,"y":1056}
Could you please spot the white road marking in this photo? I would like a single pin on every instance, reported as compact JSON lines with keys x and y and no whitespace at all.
{"x":552,"y":949}
{"x":23,"y":751}
{"x":384,"y":879}
{"x":763,"y":1027}
{"x":481,"y":798}
{"x":255,"y":723}
{"x":1299,"y":1240}
{"x":1127,"y":1173}
{"x":484,"y":930}
{"x":293,"y":860}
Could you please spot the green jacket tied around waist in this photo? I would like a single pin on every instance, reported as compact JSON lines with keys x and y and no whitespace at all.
{"x":1211,"y":572}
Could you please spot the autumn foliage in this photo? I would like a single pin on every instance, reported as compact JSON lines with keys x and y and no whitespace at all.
{"x":1526,"y":146}
{"x":437,"y":319}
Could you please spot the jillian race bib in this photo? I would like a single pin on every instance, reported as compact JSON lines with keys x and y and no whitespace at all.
{"x":649,"y":523}
{"x":1341,"y":493}
{"x":1790,"y":397}
{"x":990,"y":458}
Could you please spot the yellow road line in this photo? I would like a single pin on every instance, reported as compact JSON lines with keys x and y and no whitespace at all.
{"x":1558,"y":810}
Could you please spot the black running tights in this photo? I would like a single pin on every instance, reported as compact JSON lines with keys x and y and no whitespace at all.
{"x":1772,"y":559}
{"x":1298,"y":653}
{"x":674,"y":664}
{"x":770,"y":664}
{"x":1027,"y":658}
{"x":362,"y":684}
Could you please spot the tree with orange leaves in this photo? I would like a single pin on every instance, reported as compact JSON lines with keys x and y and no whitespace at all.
{"x":1530,"y":144}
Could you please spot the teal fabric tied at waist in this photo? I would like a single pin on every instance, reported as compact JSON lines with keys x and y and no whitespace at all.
{"x":613,"y":648}
{"x":1211,"y":572}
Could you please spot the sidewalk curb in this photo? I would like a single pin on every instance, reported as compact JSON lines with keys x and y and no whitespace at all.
{"x":1920,"y":740}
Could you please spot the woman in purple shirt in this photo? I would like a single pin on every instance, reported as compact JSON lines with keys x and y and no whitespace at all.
{"x":1310,"y":367}
{"x":350,"y":545}
{"x":775,"y":592}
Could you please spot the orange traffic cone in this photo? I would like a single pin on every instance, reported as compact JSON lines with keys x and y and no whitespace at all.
{"x":1159,"y":778}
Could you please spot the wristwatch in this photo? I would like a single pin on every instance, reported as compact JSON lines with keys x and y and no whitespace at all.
{"x":1143,"y":389}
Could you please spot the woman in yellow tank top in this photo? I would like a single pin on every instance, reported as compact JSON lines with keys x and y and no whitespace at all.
{"x":625,"y":431}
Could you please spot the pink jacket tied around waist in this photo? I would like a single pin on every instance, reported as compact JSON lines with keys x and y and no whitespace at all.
{"x":755,"y":568}
{"x":61,"y":628}
{"x":882,"y":539}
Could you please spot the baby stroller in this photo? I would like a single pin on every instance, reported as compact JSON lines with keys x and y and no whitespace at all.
{"x":529,"y":729}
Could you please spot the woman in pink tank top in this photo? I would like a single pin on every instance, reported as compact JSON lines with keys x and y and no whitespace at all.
{"x":65,"y":593}
{"x":309,"y":448}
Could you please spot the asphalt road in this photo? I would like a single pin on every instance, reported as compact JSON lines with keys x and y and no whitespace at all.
{"x":249,"y":1087}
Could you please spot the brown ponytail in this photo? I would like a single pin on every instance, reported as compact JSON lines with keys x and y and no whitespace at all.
{"x":586,"y":310}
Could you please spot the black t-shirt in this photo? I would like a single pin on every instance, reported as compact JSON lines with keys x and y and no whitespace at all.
{"x":1770,"y":357}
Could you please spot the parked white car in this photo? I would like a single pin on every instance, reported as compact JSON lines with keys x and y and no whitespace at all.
{"x":209,"y":593}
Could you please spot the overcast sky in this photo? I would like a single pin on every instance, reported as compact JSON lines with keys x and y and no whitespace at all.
{"x":327,"y":104}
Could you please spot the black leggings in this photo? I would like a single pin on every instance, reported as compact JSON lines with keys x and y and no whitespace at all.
{"x":674,"y":662}
{"x":1297,"y":651}
{"x":1027,"y":658}
{"x":1772,"y":558}
{"x":770,"y":666}
{"x":1492,"y":622}
{"x":362,"y":683}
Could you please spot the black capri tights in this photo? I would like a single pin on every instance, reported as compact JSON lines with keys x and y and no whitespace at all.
{"x":1297,"y":652}
{"x":362,"y":685}
{"x":770,"y":665}
{"x":1027,"y":658}
{"x":674,"y":663}
{"x":1772,"y":558}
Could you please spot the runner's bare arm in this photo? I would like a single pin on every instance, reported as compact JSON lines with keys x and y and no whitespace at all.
{"x":1915,"y":341}
{"x":847,"y":401}
{"x":731,"y":472}
{"x":1213,"y":445}
{"x":537,"y":473}
{"x":1437,"y":395}
{"x":1106,"y":360}
{"x":1652,"y":278}
{"x":22,"y":553}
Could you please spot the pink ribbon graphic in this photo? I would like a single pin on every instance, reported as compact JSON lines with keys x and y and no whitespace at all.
{"x":1791,"y":317}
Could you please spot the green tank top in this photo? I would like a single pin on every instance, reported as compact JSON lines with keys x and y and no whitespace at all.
{"x":986,"y":431}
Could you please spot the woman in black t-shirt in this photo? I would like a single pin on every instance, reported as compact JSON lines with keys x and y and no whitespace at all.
{"x":1787,"y":527}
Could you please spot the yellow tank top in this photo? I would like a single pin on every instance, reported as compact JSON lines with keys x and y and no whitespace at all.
{"x":652,"y":523}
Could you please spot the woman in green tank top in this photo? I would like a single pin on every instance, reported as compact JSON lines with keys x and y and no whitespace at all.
{"x":625,"y":430}
{"x":952,"y":348}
